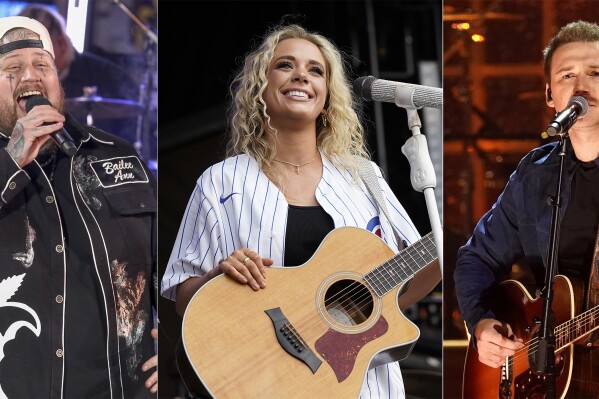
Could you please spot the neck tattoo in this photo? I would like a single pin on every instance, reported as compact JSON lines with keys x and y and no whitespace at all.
{"x":298,"y":166}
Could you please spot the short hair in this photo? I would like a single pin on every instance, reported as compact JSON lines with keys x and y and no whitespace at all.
{"x":579,"y":31}
{"x":340,"y":139}
{"x":18,"y":34}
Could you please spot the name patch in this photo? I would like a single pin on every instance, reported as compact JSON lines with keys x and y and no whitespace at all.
{"x":117,"y":171}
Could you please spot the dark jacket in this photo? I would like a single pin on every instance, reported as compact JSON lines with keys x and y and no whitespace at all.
{"x":115,"y":195}
{"x":516,"y":227}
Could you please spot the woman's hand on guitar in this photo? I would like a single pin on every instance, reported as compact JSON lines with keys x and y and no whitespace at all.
{"x":247,"y":267}
{"x":495,"y":341}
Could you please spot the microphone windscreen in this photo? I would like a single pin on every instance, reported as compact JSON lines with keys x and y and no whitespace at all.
{"x":36,"y":100}
{"x":363,"y":87}
{"x":582,"y":102}
{"x":384,"y":90}
{"x":430,"y":97}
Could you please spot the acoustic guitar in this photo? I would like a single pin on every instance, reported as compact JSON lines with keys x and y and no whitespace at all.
{"x":315,"y":330}
{"x":517,"y":379}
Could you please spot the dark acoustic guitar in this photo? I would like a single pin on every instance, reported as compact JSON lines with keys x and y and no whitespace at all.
{"x":516,"y":379}
{"x":315,"y":330}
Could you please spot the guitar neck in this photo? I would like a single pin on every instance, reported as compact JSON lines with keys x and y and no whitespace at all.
{"x":574,"y":329}
{"x":402,"y":266}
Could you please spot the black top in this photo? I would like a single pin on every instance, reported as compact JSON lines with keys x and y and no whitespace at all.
{"x":306,"y":228}
{"x":579,"y":225}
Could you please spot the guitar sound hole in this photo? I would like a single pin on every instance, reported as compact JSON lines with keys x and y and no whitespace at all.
{"x":348,"y":302}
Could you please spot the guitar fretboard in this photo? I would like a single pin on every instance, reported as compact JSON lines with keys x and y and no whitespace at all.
{"x":402,"y":266}
{"x":573,"y":329}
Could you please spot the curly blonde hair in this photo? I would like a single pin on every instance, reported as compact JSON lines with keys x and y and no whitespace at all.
{"x":340,"y":140}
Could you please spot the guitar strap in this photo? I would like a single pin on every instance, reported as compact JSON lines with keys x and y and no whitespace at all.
{"x":593,"y":291}
{"x":368,"y":176}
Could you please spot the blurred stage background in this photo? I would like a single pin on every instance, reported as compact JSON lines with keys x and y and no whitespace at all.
{"x":393,"y":40}
{"x":494,"y":113}
{"x":106,"y":29}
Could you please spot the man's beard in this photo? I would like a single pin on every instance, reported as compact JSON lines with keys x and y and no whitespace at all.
{"x":9,"y":117}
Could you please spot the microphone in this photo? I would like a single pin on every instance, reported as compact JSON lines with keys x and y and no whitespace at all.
{"x":404,"y":95}
{"x":563,"y":121}
{"x":61,"y":137}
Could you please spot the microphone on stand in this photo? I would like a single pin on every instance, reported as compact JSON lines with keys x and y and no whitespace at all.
{"x":404,"y":95}
{"x":577,"y":107}
{"x":422,"y":172}
{"x":61,"y":137}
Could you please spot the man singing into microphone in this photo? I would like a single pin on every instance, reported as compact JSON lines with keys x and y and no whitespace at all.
{"x":77,"y":241}
{"x":518,"y":225}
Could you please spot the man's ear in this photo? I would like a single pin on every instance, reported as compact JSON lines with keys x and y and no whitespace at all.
{"x":548,"y":98}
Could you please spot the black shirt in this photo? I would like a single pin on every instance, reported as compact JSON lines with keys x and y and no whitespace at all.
{"x":86,"y":374}
{"x":579,"y":225}
{"x":119,"y":222}
{"x":306,"y":228}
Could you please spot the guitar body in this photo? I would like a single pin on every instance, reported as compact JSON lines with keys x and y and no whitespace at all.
{"x":516,"y":307}
{"x":237,"y":352}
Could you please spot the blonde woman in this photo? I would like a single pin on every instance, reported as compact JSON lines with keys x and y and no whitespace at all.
{"x":290,"y":178}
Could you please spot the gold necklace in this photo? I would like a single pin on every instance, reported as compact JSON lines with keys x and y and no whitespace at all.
{"x":297,"y":166}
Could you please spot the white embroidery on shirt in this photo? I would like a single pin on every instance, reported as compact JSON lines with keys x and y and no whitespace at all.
{"x":26,"y":258}
{"x":130,"y":317}
{"x":86,"y":180}
{"x":8,"y":287}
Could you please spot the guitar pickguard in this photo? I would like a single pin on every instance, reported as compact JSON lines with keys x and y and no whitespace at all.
{"x":340,"y":350}
{"x":531,"y":385}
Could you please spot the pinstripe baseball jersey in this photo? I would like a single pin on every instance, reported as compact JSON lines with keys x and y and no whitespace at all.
{"x":235,"y":205}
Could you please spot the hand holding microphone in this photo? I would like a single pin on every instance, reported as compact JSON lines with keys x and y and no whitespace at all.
{"x":61,"y":137}
{"x":32,"y":131}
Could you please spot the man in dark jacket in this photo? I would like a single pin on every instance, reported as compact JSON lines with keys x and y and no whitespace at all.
{"x":77,"y":241}
{"x":518,"y":225}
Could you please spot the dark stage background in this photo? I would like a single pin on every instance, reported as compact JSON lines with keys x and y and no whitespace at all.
{"x":203,"y":43}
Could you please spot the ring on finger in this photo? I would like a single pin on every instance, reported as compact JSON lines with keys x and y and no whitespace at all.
{"x":245,"y":261}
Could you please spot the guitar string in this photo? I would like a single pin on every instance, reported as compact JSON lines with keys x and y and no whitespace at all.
{"x":313,"y":320}
{"x":361,"y":302}
{"x":406,"y":264}
{"x":353,"y":287}
{"x":364,"y":300}
{"x":533,"y":343}
{"x":569,"y":327}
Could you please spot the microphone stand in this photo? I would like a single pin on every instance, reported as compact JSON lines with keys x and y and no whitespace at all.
{"x":545,"y":361}
{"x":422,"y":176}
{"x":149,"y":33}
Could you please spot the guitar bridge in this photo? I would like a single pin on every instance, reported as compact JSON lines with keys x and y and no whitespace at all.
{"x":291,"y":341}
{"x":506,"y":379}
